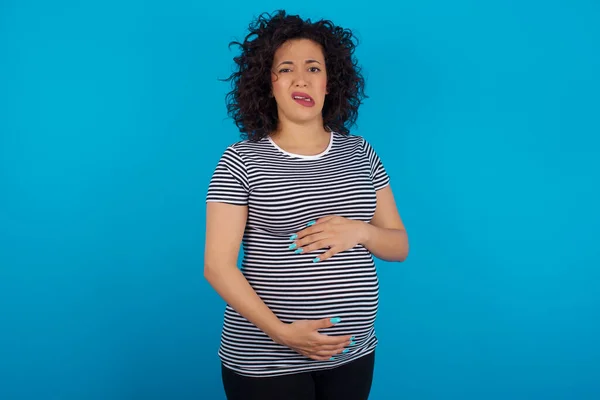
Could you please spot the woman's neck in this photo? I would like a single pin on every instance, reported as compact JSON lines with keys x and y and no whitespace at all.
{"x":309,"y":138}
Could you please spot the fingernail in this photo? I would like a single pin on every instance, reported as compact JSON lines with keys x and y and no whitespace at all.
{"x":299,"y":251}
{"x":352,"y":338}
{"x":345,"y":351}
{"x":311,"y":223}
{"x":352,"y":343}
{"x":292,"y":246}
{"x":335,"y":320}
{"x":331,"y":359}
{"x":316,"y":260}
{"x":294,"y":237}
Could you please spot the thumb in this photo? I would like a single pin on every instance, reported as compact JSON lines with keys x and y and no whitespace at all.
{"x":328,"y":322}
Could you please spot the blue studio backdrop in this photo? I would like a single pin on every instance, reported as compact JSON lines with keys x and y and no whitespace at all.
{"x":112,"y":118}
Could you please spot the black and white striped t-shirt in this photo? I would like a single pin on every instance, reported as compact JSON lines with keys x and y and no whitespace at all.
{"x":283,"y":192}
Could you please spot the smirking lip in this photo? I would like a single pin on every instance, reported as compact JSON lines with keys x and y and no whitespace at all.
{"x":303,"y":99}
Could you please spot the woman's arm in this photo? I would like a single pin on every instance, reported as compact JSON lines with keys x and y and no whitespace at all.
{"x":385,"y":237}
{"x":225,"y":225}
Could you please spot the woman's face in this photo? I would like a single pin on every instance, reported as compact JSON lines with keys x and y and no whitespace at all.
{"x":299,"y":80}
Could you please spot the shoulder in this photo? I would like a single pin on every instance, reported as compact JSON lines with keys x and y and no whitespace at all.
{"x":248,"y":154}
{"x":353,"y":141}
{"x":348,"y":138}
{"x":241,"y":149}
{"x":247,"y":149}
{"x":349,"y":141}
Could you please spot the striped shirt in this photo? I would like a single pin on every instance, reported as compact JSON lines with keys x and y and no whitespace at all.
{"x":283,"y":192}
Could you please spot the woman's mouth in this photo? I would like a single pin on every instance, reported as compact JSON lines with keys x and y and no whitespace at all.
{"x":303,"y":99}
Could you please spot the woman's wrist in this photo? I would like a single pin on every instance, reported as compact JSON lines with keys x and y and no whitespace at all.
{"x":277,"y":331}
{"x":365,"y":232}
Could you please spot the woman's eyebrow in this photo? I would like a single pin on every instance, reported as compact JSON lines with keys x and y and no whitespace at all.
{"x":310,"y":61}
{"x":285,"y":62}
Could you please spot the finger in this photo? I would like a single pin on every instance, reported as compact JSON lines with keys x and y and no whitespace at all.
{"x":314,"y":356}
{"x":325,"y":219}
{"x":320,"y":358}
{"x":306,"y":240}
{"x":328,"y":254}
{"x":334,"y":340}
{"x":334,"y":347}
{"x":325,"y":323}
{"x":324,"y":350}
{"x":324,"y":355}
{"x":318,"y":245}
{"x":321,"y":339}
{"x":314,"y":226}
{"x":330,"y":353}
{"x":309,"y":231}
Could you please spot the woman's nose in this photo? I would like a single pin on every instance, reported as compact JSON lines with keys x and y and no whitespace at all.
{"x":301,"y":80}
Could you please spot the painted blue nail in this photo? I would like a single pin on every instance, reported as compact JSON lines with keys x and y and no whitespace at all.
{"x":352,"y":343}
{"x":316,"y":260}
{"x":335,"y":320}
{"x":331,"y":359}
{"x":294,"y":237}
{"x":311,"y":223}
{"x":300,"y":250}
{"x":352,"y":338}
{"x":292,"y":246}
{"x":345,"y":351}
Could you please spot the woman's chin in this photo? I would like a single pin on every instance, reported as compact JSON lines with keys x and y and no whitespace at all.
{"x":304,"y":118}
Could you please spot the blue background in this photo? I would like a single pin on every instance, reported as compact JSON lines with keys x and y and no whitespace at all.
{"x":485,"y":114}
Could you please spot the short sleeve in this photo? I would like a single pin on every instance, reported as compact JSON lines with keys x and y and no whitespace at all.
{"x":229,"y":182}
{"x":379,"y":175}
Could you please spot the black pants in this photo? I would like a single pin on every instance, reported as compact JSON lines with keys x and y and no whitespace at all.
{"x":351,"y":381}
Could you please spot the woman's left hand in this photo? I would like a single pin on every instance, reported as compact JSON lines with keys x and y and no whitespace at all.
{"x":332,"y":232}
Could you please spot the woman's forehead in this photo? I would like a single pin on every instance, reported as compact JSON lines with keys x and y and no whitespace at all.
{"x":298,"y":50}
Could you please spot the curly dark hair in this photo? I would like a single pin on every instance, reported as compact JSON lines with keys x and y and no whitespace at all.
{"x":249,"y":102}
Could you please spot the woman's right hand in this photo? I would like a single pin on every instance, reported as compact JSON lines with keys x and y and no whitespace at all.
{"x":303,"y":337}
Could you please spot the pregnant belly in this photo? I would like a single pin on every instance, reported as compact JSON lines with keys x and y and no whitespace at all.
{"x":295,"y":288}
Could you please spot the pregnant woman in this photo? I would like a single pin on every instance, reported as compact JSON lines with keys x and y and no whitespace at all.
{"x":311,"y":204}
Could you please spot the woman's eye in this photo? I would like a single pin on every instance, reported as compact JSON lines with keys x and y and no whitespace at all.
{"x":284,"y":70}
{"x":314,"y":69}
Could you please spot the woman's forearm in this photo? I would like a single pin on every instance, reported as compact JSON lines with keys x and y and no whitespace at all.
{"x":386,"y":244}
{"x":232,"y":286}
